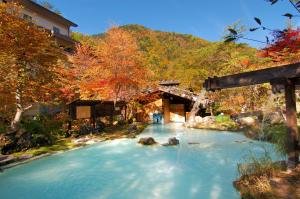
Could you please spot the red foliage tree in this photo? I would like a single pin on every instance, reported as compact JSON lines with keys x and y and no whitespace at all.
{"x":286,"y":45}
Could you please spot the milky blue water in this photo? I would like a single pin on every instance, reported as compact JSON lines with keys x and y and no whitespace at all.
{"x":122,"y":169}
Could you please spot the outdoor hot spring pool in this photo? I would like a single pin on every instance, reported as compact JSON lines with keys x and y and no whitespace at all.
{"x":122,"y":169}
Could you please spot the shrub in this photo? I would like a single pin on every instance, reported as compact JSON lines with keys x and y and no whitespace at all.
{"x":254,"y":176}
{"x":34,"y":127}
{"x":122,"y":122}
{"x":53,"y":126}
{"x":258,"y":166}
{"x":256,"y":188}
{"x":2,"y":129}
{"x":222,"y":118}
{"x":277,"y":134}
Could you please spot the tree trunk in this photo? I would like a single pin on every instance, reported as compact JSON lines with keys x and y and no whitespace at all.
{"x":211,"y":110}
{"x":16,"y":121}
{"x":291,"y":122}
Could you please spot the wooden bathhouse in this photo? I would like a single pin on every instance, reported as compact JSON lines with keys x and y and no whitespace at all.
{"x":167,"y":103}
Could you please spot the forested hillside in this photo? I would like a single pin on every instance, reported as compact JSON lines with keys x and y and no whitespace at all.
{"x":188,"y":58}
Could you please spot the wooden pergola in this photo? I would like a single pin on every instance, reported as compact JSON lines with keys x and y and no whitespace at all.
{"x":285,"y":78}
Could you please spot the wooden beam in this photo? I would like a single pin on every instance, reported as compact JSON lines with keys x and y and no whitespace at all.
{"x":254,"y":77}
{"x":291,"y":122}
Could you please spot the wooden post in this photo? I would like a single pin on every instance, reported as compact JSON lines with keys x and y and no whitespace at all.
{"x":69,"y":125}
{"x":93,"y":114}
{"x":111,"y":114}
{"x":166,"y":110}
{"x":125,"y":118}
{"x":291,"y":122}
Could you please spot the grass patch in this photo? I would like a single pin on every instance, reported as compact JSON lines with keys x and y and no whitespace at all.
{"x":255,"y":174}
{"x":59,"y":145}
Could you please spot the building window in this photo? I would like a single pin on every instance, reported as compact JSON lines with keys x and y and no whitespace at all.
{"x":27,"y":17}
{"x":83,"y":112}
{"x":56,"y":30}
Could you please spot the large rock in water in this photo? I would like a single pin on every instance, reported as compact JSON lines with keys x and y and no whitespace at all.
{"x":172,"y":142}
{"x":147,"y":141}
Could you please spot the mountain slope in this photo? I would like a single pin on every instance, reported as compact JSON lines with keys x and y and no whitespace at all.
{"x":187,"y":58}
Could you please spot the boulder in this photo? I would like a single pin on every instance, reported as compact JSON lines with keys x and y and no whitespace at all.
{"x":8,"y":142}
{"x":147,"y":141}
{"x":7,"y":138}
{"x":24,"y":142}
{"x":247,"y":121}
{"x":204,"y":121}
{"x":172,"y":142}
{"x":209,"y":120}
{"x":132,"y":129}
{"x":198,"y":119}
{"x":274,"y":118}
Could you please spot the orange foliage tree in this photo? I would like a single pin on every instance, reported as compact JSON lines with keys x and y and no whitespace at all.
{"x":111,"y":68}
{"x":84,"y":82}
{"x":29,"y":61}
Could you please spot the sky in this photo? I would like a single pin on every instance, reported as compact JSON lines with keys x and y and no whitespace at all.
{"x":202,"y":18}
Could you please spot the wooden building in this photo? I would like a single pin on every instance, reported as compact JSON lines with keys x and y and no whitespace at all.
{"x":167,"y":103}
{"x":92,"y":109}
{"x":56,"y":24}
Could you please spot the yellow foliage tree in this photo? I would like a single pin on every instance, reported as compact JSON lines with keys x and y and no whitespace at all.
{"x":29,"y":61}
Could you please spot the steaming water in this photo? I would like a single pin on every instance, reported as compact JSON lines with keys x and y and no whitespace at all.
{"x":122,"y":169}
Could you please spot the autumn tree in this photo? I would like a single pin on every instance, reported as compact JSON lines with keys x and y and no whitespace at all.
{"x":284,"y":47}
{"x":29,"y":62}
{"x":280,"y":45}
{"x":86,"y":82}
{"x":112,"y":66}
{"x":121,"y":63}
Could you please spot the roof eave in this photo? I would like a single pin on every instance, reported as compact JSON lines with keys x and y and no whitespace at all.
{"x":55,"y":15}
